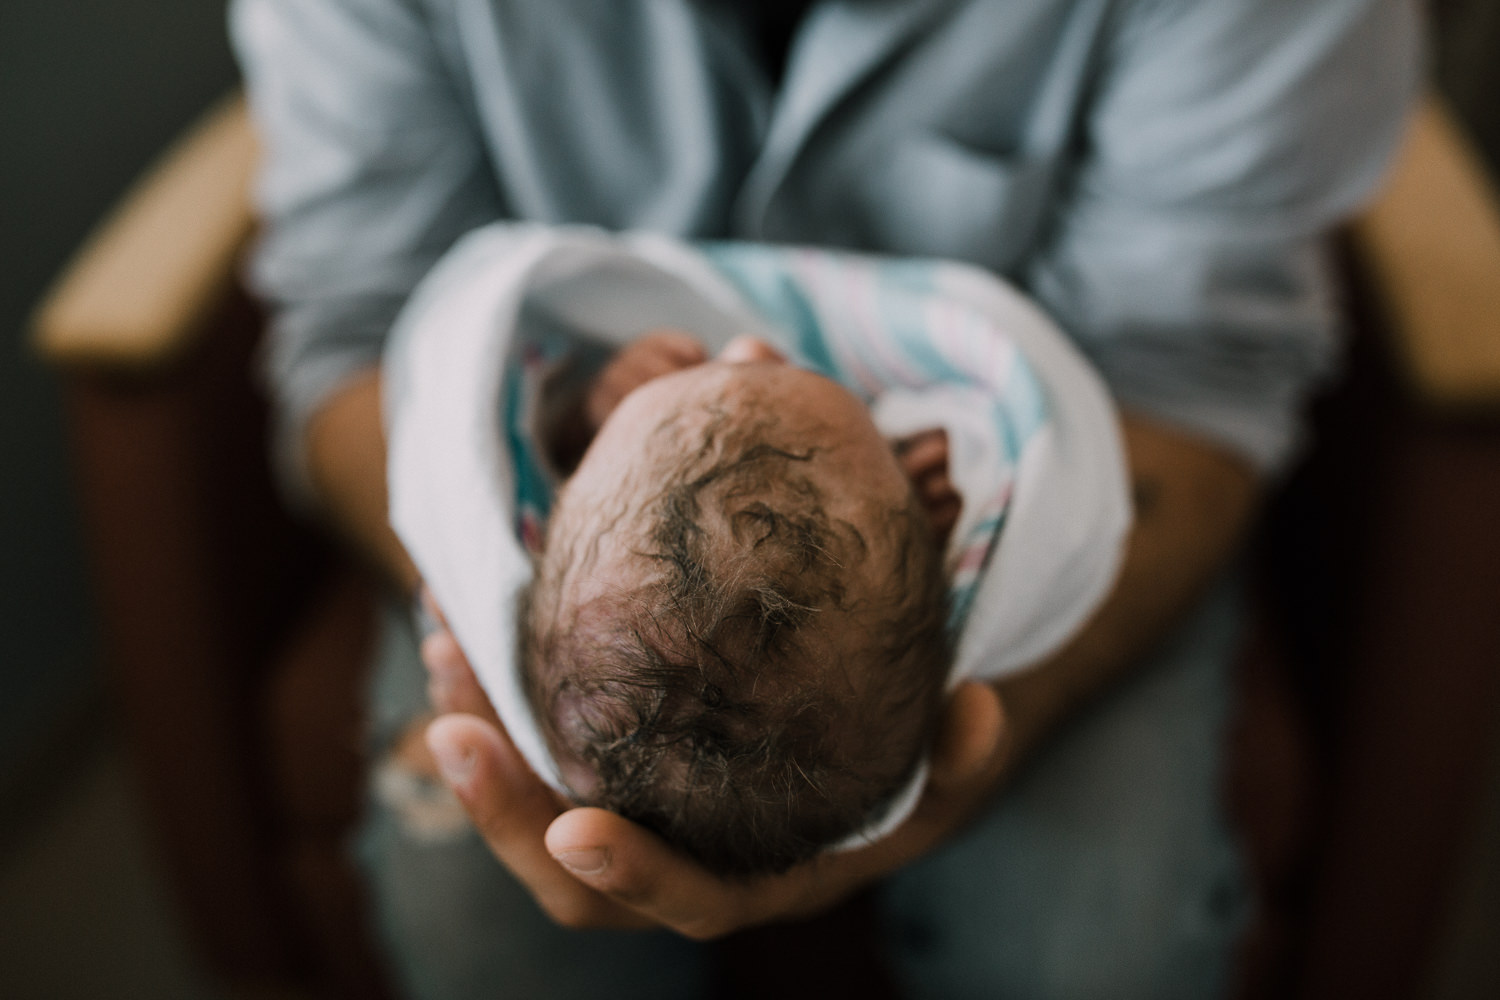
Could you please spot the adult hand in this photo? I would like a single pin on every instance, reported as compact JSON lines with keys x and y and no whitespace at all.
{"x":593,"y":868}
{"x":509,"y":805}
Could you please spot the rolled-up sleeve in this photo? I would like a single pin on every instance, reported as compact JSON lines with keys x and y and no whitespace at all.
{"x":1225,"y":140}
{"x":372,"y":168}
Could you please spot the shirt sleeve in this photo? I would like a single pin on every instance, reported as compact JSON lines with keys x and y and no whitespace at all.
{"x":372,"y":167}
{"x":1225,"y":140}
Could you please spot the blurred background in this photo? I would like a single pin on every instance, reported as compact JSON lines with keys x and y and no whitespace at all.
{"x":90,"y":91}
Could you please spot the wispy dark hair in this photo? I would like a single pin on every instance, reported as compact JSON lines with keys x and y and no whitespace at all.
{"x":713,"y":703}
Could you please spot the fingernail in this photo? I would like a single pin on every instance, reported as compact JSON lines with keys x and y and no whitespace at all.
{"x":586,"y":861}
{"x":454,"y":760}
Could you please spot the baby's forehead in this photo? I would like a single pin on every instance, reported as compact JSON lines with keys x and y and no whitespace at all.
{"x":749,"y":508}
{"x":738,"y":412}
{"x":749,"y":455}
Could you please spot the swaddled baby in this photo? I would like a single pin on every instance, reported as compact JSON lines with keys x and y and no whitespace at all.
{"x":737,"y":631}
{"x":736,"y":620}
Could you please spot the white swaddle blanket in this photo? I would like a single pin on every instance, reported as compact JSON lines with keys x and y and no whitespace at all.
{"x":1033,"y":438}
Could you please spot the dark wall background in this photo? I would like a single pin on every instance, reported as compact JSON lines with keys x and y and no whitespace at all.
{"x":1467,"y":65}
{"x":90,"y":90}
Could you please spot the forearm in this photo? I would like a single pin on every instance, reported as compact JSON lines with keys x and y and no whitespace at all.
{"x":597,"y":869}
{"x":346,"y":458}
{"x":1193,"y":501}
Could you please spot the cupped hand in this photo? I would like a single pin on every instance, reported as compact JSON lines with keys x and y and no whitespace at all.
{"x":592,"y":868}
{"x":631,"y":867}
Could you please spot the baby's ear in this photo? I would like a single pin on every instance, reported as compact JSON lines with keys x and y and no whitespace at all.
{"x":924,"y":459}
{"x":942,"y":513}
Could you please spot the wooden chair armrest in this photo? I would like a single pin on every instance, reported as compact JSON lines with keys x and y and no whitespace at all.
{"x":1432,"y":245}
{"x":137,"y":294}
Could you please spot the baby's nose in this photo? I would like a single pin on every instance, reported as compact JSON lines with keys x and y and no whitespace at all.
{"x":748,"y":348}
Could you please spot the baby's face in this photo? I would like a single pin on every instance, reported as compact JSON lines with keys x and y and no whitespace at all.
{"x":749,"y":390}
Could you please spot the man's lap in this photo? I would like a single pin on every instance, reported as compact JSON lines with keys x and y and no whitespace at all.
{"x":1104,"y":870}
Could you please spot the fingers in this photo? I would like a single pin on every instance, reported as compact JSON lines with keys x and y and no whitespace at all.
{"x":511,"y":808}
{"x":451,"y":684}
{"x":638,"y":871}
{"x":972,"y":740}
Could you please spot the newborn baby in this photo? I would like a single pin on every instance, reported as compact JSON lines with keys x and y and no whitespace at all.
{"x":737,"y":632}
{"x":735,"y":621}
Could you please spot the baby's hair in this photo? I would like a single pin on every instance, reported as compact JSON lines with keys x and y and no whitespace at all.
{"x":705,"y":699}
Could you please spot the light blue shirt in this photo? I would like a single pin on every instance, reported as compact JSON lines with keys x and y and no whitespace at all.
{"x":1159,"y":173}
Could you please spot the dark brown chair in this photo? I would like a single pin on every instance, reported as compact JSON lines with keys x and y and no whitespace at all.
{"x":236,"y":636}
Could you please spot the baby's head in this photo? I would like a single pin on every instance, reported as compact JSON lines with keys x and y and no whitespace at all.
{"x":737,"y":632}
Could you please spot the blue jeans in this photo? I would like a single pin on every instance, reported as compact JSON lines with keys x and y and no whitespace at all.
{"x":1105,"y":869}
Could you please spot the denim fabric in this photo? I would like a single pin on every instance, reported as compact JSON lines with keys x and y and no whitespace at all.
{"x":1104,"y":870}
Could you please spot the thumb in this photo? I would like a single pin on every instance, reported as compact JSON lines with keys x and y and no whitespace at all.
{"x":973,"y":737}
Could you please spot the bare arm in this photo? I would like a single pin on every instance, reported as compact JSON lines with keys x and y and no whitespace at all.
{"x":1193,"y":502}
{"x":346,"y":457}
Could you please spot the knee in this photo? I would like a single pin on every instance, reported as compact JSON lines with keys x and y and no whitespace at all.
{"x":1106,"y":934}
